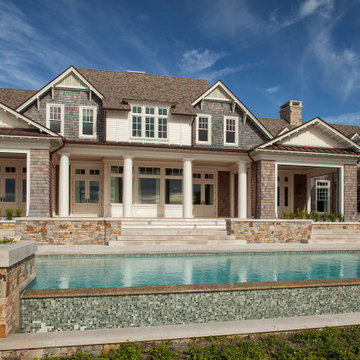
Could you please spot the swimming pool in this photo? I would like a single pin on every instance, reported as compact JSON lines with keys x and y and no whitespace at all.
{"x":94,"y":271}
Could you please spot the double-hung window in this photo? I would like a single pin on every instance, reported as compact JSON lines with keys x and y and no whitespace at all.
{"x":55,"y":118}
{"x":322,"y":195}
{"x":87,"y":121}
{"x":149,"y":122}
{"x":230,"y":131}
{"x":203,"y":129}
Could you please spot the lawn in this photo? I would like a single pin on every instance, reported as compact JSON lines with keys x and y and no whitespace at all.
{"x":328,"y":343}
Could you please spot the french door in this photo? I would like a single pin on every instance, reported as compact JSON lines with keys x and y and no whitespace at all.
{"x":285,"y":193}
{"x":86,"y":194}
{"x":204,"y":194}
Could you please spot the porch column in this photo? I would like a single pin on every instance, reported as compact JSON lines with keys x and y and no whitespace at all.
{"x":232,"y":195}
{"x":187,"y":189}
{"x":308,"y":193}
{"x":127,"y":186}
{"x":242,"y":190}
{"x":64,"y":185}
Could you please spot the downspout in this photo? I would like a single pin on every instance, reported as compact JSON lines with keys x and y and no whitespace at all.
{"x":51,"y":175}
{"x":256,"y":176}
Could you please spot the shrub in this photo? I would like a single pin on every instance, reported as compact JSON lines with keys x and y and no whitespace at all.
{"x":340,"y":217}
{"x":7,"y":240}
{"x":315,"y":215}
{"x":302,"y":214}
{"x":285,"y":215}
{"x":309,"y":216}
{"x":325,"y":216}
{"x":291,"y":215}
{"x":18,"y":212}
{"x":9,"y":212}
{"x":332,"y":217}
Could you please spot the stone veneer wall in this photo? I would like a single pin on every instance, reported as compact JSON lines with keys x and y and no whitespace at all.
{"x":265,"y":187}
{"x":12,"y":279}
{"x":39,"y":183}
{"x":271,"y":231}
{"x":185,"y":305}
{"x":350,"y":192}
{"x":55,"y":231}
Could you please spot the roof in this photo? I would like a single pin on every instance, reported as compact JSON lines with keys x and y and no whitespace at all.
{"x":120,"y":87}
{"x":274,"y":126}
{"x":347,"y":130}
{"x":312,"y":149}
{"x":13,"y":98}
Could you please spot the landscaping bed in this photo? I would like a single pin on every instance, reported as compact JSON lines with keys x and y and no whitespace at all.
{"x":328,"y":343}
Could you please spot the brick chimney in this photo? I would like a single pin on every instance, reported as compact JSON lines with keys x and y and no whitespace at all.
{"x":291,"y":112}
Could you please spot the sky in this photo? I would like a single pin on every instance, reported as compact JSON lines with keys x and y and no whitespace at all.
{"x":266,"y":51}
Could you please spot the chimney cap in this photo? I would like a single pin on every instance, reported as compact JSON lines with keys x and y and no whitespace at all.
{"x":291,"y":103}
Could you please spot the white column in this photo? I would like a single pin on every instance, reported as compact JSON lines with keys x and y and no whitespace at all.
{"x":127,"y":186}
{"x":341,"y":190}
{"x":232,"y":195}
{"x":64,"y":185}
{"x":187,"y":189}
{"x":242,"y":190}
{"x":308,"y":193}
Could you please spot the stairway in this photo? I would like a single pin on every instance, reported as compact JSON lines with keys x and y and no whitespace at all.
{"x":155,"y":231}
{"x":335,"y":235}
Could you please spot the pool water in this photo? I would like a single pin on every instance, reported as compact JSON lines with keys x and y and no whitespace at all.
{"x":63,"y":272}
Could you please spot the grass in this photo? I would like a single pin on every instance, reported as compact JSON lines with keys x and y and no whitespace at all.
{"x":328,"y":343}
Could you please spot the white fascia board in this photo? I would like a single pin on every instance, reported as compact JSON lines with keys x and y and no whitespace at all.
{"x":237,"y":101}
{"x":283,"y":131}
{"x":43,"y":90}
{"x":312,"y":122}
{"x":355,"y":136}
{"x":28,"y":120}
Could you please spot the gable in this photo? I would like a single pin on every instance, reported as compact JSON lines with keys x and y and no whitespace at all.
{"x":8,"y":120}
{"x":218,"y":94}
{"x":315,"y":137}
{"x":71,"y":81}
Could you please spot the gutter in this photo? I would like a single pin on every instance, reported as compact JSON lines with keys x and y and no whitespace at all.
{"x":51,"y":175}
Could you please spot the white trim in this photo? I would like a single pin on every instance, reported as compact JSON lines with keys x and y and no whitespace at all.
{"x":355,"y":137}
{"x":236,"y":143}
{"x":27,"y":120}
{"x":68,"y":71}
{"x":208,"y":142}
{"x":94,"y":134}
{"x":283,"y":131}
{"x":316,"y":194}
{"x":237,"y":101}
{"x":316,"y":121}
{"x":48,"y":106}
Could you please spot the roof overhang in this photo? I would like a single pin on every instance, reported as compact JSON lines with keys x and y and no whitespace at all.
{"x":52,"y":83}
{"x":28,"y":121}
{"x":316,"y":122}
{"x":243,"y":108}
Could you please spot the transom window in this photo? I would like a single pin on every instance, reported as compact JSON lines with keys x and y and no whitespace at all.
{"x":322,"y":195}
{"x":87,"y":122}
{"x":230,"y":131}
{"x":173,"y":172}
{"x":149,"y":171}
{"x":203,"y":129}
{"x":149,"y":122}
{"x":55,"y":118}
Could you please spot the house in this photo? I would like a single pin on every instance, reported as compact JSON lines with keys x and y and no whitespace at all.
{"x":128,"y":144}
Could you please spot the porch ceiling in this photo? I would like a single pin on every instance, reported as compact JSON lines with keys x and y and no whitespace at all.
{"x":307,"y":169}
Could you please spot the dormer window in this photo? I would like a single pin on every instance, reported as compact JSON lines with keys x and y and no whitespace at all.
{"x":149,"y":122}
{"x":203,"y":129}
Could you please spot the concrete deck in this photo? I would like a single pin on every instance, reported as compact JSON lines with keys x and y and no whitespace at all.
{"x":102,"y":249}
{"x":154,"y":333}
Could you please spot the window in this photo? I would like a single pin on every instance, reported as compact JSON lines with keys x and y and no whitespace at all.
{"x":230,"y":131}
{"x":55,"y":117}
{"x":87,"y":122}
{"x":116,"y":184}
{"x":149,"y":122}
{"x":94,"y":172}
{"x":173,"y":186}
{"x":322,"y":195}
{"x":80,"y":171}
{"x":203,"y":129}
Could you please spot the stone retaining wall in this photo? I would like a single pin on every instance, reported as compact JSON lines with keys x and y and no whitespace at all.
{"x":85,"y":309}
{"x":270,"y":231}
{"x":53,"y":231}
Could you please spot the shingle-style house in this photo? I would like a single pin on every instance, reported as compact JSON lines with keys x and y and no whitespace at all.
{"x":128,"y":144}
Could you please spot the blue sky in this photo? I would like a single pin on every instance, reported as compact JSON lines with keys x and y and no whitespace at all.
{"x":265,"y":51}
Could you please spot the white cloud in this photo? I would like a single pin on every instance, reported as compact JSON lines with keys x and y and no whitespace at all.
{"x":348,"y":118}
{"x":309,"y":7}
{"x":194,"y":61}
{"x":273,"y":89}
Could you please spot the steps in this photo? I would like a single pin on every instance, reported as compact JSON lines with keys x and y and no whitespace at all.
{"x":341,"y":235}
{"x":166,"y":232}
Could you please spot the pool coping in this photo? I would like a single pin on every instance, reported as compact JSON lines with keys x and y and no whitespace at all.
{"x":23,"y":341}
{"x":181,"y":289}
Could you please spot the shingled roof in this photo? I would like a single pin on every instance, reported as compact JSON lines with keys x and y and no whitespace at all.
{"x":13,"y":98}
{"x":120,"y":87}
{"x":274,"y":126}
